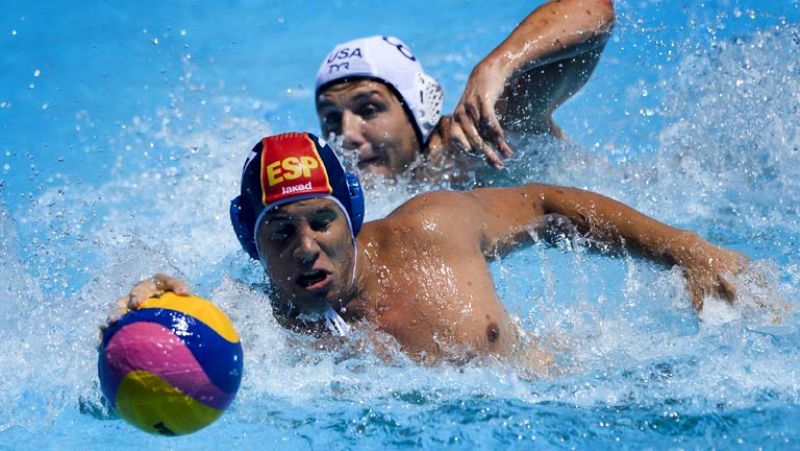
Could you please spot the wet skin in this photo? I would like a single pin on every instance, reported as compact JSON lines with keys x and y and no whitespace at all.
{"x":515,"y":88}
{"x":420,"y":274}
{"x":433,"y":294}
{"x":309,"y":253}
{"x":372,"y":122}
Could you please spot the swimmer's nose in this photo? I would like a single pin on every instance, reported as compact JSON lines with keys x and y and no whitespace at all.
{"x":352,"y":130}
{"x":307,"y":249}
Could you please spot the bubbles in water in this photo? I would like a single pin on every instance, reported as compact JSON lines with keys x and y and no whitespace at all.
{"x":623,"y":329}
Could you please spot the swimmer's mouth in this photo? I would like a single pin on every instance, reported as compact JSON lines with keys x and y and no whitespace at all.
{"x":314,"y":279}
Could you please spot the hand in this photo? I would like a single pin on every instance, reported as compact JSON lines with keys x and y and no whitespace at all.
{"x":707,"y":268}
{"x":475,"y":127}
{"x":144,"y":290}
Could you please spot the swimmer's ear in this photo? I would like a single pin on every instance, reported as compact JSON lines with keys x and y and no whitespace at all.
{"x":241,"y":221}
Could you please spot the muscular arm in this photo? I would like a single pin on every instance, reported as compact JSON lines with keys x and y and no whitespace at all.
{"x":501,"y":219}
{"x":542,"y":63}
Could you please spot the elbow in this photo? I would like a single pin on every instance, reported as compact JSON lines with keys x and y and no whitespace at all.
{"x":609,"y":14}
{"x":606,"y":18}
{"x":604,"y":10}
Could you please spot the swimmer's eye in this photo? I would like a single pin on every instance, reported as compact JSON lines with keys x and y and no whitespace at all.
{"x":368,"y":111}
{"x":281,"y":234}
{"x":321,"y":224}
{"x":332,"y":120}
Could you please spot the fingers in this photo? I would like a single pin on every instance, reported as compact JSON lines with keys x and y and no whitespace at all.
{"x":465,"y":119}
{"x":458,"y":140}
{"x":144,"y":290}
{"x":726,"y":288}
{"x":167,"y":283}
{"x":494,"y":131}
{"x":155,"y":285}
{"x":483,"y":126}
{"x":720,"y":286}
{"x":697,"y":298}
{"x":119,"y":308}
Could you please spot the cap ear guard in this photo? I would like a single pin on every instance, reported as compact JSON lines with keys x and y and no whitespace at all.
{"x":356,"y":202}
{"x":242,"y":226}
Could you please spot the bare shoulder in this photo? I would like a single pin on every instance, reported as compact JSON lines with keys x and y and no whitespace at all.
{"x":474,"y":203}
{"x":428,"y":216}
{"x":430,"y":202}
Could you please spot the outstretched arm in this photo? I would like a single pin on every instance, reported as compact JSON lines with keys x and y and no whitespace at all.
{"x":504,"y":217}
{"x":542,"y":63}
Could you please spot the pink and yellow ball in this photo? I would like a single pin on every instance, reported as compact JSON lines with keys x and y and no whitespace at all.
{"x":171,"y":367}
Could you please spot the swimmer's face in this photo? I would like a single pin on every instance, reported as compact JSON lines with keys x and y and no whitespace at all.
{"x":309,"y":253}
{"x":371,"y":120}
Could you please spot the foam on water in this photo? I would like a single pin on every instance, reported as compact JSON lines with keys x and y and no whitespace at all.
{"x":636,"y":365}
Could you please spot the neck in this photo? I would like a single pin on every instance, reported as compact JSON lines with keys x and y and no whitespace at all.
{"x":355,"y":304}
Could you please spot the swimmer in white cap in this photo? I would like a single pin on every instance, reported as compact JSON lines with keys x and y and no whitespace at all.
{"x":373,"y":94}
{"x":420,"y":274}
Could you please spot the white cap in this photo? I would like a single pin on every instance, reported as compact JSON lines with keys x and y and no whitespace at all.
{"x":389,"y":60}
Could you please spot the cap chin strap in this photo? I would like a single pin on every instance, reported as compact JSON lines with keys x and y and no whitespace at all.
{"x":335,"y":323}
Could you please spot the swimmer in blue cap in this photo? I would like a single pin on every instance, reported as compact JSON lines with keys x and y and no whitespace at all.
{"x":420,"y":274}
{"x":373,"y":94}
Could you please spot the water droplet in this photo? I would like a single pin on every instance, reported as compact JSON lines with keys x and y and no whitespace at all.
{"x":37,"y":72}
{"x":45,"y":106}
{"x":183,"y":32}
{"x":155,"y":41}
{"x":6,"y":167}
{"x":13,"y":32}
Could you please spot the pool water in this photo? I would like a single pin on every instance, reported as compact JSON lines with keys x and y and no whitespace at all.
{"x":123,"y":128}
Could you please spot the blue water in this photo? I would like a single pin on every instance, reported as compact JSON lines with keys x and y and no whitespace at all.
{"x":122,"y":130}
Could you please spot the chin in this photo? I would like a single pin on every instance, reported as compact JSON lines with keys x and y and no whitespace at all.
{"x":311,"y":305}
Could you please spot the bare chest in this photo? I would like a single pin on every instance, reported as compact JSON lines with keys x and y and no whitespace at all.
{"x":437,"y":310}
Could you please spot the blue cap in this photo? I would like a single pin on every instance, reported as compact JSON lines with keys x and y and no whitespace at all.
{"x":287,"y":168}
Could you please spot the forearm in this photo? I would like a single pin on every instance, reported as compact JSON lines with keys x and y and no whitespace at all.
{"x":508,"y":217}
{"x":619,"y":225}
{"x":554,"y":31}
